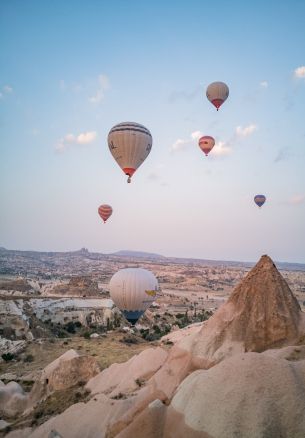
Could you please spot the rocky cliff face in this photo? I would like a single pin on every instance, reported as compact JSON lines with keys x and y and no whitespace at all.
{"x":77,"y":287}
{"x":261,"y":313}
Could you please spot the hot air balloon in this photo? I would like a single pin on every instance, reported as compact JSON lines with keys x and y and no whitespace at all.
{"x":133,"y":290}
{"x":217,"y":93}
{"x":105,"y":211}
{"x":259,"y":200}
{"x":130,"y":144}
{"x":206,"y":144}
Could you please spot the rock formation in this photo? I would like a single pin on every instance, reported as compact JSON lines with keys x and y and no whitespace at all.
{"x":249,"y":395}
{"x":68,"y":370}
{"x":77,"y":287}
{"x":217,"y":382}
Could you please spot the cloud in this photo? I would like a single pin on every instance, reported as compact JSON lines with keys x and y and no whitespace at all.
{"x":246,"y":131}
{"x":300,"y":72}
{"x":103,"y":85}
{"x":180,"y":144}
{"x":86,"y":137}
{"x":264,"y":84}
{"x":221,"y":149}
{"x":296,"y":199}
{"x":184,"y":95}
{"x":1,"y":95}
{"x":196,"y":135}
{"x":71,"y":139}
{"x":7,"y":89}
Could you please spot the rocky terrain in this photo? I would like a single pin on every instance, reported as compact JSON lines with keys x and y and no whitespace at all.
{"x":240,"y":373}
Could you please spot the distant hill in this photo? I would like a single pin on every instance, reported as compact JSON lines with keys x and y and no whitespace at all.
{"x":85,"y":254}
{"x":138,"y":254}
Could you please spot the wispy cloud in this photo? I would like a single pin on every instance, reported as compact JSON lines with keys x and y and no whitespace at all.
{"x":103,"y":85}
{"x":181,"y":144}
{"x":296,"y":199}
{"x":221,"y":149}
{"x":7,"y":89}
{"x":264,"y":84}
{"x":299,"y":72}
{"x":184,"y":95}
{"x":71,"y":139}
{"x":245,"y":131}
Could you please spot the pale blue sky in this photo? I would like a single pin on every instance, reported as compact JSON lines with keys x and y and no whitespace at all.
{"x":77,"y":67}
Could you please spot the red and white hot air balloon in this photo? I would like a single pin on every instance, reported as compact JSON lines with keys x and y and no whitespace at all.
{"x":130,"y":143}
{"x":217,"y":93}
{"x":105,"y":211}
{"x":206,"y":144}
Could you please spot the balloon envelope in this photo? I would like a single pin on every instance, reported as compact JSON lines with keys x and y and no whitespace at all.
{"x":105,"y":211}
{"x":133,"y":290}
{"x":259,"y":200}
{"x":130,"y":143}
{"x":206,"y":144}
{"x":217,"y":93}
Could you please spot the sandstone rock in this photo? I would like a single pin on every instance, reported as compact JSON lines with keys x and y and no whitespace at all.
{"x":291,"y":353}
{"x":3,"y":424}
{"x":148,"y":424}
{"x":129,"y":376}
{"x":13,"y":400}
{"x":82,"y":420}
{"x":177,"y":335}
{"x":249,"y":395}
{"x":261,"y":313}
{"x":77,"y":286}
{"x":8,"y":376}
{"x":68,"y":370}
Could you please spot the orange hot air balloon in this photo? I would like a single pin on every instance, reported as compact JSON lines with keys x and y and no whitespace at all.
{"x":206,"y":144}
{"x":217,"y":93}
{"x":105,"y":211}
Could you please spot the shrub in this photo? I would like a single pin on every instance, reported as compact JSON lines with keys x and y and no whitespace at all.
{"x":70,"y":327}
{"x":28,"y":358}
{"x":87,"y":335}
{"x":129,"y":340}
{"x":8,"y":356}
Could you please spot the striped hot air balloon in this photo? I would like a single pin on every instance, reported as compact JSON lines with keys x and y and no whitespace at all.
{"x":105,"y":211}
{"x":206,"y":144}
{"x":133,"y":290}
{"x":130,"y":143}
{"x":217,"y":93}
{"x":259,"y":200}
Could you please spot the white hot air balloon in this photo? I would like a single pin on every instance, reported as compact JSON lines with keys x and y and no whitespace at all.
{"x":217,"y":93}
{"x":130,"y":144}
{"x":133,"y":290}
